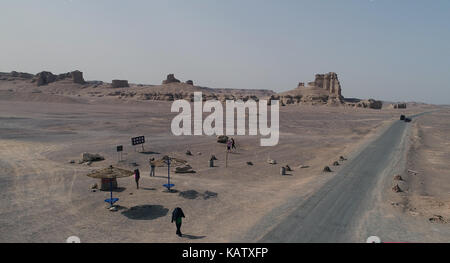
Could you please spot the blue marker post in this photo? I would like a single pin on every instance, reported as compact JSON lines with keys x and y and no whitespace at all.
{"x":111,"y":200}
{"x":168,"y":185}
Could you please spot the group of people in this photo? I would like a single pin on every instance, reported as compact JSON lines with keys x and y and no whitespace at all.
{"x":231,"y":145}
{"x":177,"y":213}
{"x":137,"y":173}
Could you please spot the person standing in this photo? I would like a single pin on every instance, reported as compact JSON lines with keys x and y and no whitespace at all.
{"x":177,"y":216}
{"x":152,"y":167}
{"x":137,"y":176}
{"x":229,"y":144}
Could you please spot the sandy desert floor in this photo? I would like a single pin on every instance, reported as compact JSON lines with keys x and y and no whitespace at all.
{"x":425,"y":181}
{"x":45,"y":198}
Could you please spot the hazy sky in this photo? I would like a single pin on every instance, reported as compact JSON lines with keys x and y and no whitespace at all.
{"x":383,"y":49}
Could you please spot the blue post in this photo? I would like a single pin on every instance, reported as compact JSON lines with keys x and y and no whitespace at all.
{"x":168,"y":173}
{"x":168,"y":185}
{"x":110,"y":188}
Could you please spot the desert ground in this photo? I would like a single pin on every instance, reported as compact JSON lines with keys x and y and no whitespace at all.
{"x":47,"y":198}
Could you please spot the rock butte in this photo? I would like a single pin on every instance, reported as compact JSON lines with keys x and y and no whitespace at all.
{"x":324,"y":90}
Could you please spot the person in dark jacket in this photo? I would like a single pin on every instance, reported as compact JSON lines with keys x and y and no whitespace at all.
{"x":137,"y":176}
{"x":152,"y":167}
{"x":233,"y":144}
{"x":177,"y":214}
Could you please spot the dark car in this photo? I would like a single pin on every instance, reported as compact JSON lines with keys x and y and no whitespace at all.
{"x":407,"y":120}
{"x":402,"y":117}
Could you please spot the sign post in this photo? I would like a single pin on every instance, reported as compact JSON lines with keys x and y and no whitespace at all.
{"x":138,"y":140}
{"x":119,"y":152}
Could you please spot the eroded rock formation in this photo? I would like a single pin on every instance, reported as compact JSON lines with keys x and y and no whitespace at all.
{"x":325,"y":89}
{"x":77,"y":77}
{"x":398,"y":106}
{"x":22,"y":75}
{"x":370,"y":103}
{"x":171,"y":79}
{"x":45,"y":77}
{"x":118,"y":83}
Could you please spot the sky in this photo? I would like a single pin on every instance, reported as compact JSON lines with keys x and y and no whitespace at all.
{"x":383,"y":49}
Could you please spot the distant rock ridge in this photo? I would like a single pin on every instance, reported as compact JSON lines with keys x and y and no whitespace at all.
{"x":326,"y":89}
{"x":22,"y":75}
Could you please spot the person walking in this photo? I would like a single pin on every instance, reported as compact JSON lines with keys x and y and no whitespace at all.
{"x":137,"y":176}
{"x":177,"y":216}
{"x":152,"y":167}
{"x":233,"y":144}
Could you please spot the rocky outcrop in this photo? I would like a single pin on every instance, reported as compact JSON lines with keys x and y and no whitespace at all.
{"x":325,"y":89}
{"x":329,"y":82}
{"x":117,"y":83}
{"x":77,"y":77}
{"x":398,"y":106}
{"x":21,"y":75}
{"x":184,"y":169}
{"x":370,"y":103}
{"x":91,"y":157}
{"x":171,"y":79}
{"x":44,"y":78}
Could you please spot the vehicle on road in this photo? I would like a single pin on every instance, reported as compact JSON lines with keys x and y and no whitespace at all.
{"x":407,"y":120}
{"x":402,"y":117}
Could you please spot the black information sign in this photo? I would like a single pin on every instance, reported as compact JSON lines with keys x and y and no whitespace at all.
{"x":138,"y":140}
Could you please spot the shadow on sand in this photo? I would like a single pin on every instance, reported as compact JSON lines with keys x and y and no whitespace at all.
{"x":192,"y":237}
{"x":115,"y":190}
{"x":145,"y":212}
{"x":148,"y":189}
{"x":150,"y":152}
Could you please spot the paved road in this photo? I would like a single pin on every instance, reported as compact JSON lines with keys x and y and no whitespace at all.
{"x":331,"y":214}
